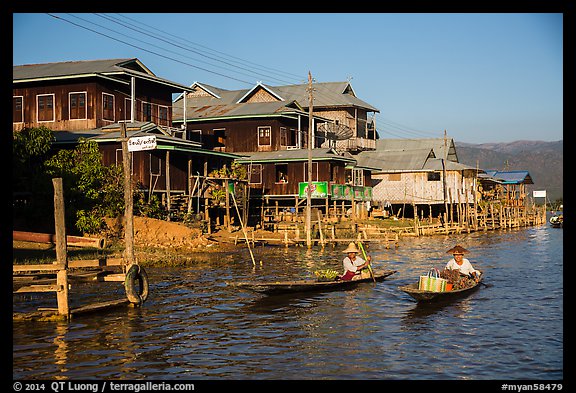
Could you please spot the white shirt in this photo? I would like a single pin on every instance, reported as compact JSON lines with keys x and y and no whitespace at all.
{"x":465,"y":268}
{"x":352,"y":265}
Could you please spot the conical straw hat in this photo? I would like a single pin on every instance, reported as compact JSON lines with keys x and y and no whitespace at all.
{"x":457,"y":249}
{"x":351,"y":248}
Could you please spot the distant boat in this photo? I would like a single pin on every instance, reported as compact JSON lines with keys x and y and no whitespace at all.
{"x":557,"y":221}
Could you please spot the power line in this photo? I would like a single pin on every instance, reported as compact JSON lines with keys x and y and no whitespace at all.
{"x":147,"y":34}
{"x":389,"y":126}
{"x":149,"y":51}
{"x":257,"y":65}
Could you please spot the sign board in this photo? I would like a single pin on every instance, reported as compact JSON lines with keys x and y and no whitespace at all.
{"x":319,"y":189}
{"x":139,"y":143}
{"x":540,"y":194}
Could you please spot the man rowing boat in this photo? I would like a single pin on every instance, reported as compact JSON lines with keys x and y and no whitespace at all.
{"x":462,"y":264}
{"x":355,"y":267}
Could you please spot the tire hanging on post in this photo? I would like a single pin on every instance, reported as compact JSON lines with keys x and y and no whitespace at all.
{"x":136,"y":284}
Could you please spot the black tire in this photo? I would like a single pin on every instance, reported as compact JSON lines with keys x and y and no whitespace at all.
{"x":136,"y":284}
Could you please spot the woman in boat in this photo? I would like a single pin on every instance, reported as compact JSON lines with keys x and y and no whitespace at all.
{"x":462,"y":264}
{"x":354,"y":265}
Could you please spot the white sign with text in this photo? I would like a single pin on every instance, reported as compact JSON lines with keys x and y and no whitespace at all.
{"x":139,"y":143}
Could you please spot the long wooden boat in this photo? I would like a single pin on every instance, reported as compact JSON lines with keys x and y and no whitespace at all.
{"x":283,"y":287}
{"x":428,"y":296}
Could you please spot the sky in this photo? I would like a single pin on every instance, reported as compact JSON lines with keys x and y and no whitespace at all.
{"x":482,"y":77}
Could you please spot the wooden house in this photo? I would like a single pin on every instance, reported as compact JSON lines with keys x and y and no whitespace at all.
{"x":419,"y":173}
{"x":277,"y":118}
{"x":84,"y":95}
{"x":279,"y":173}
{"x":509,"y":187}
{"x":89,"y":99}
{"x":269,"y":127}
{"x":224,"y":121}
{"x":171,"y":168}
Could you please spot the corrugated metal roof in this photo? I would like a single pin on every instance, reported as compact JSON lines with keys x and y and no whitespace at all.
{"x":232,"y":110}
{"x":107,"y":67}
{"x":442,"y":149}
{"x":510,"y":177}
{"x":45,"y":70}
{"x":292,"y":155}
{"x":327,"y":94}
{"x":396,"y":160}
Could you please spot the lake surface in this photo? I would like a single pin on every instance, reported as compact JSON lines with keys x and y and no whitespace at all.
{"x":194,"y":326}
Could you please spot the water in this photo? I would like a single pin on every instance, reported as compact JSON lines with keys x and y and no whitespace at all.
{"x":194,"y":326}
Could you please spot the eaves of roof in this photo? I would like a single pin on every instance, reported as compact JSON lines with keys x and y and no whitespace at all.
{"x":62,"y":77}
{"x":298,"y":155}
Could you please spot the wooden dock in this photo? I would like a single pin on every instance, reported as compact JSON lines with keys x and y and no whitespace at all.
{"x":59,"y":276}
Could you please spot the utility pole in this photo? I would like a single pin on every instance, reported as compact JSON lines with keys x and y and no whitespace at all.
{"x":309,"y":188}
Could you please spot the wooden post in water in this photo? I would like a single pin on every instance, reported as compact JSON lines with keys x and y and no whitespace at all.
{"x":129,"y":258}
{"x":228,"y":219}
{"x":168,"y":200}
{"x":61,"y":252}
{"x":416,"y":230}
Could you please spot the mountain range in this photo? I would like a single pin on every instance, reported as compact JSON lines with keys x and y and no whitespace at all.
{"x":542,"y":160}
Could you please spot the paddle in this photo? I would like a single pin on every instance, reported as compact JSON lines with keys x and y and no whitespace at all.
{"x":366,"y":259}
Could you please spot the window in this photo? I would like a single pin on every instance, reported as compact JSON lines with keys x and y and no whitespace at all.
{"x":283,"y":137}
{"x":255,"y":174}
{"x":433,"y":176}
{"x":17,"y":109}
{"x":45,"y":109}
{"x":220,"y":137}
{"x":127,"y":109}
{"x":264,"y":136}
{"x":314,"y":171}
{"x":162,"y":115}
{"x":155,"y":165}
{"x":107,"y":107}
{"x":281,"y":173}
{"x":358,"y":177}
{"x":195,"y":135}
{"x":77,"y":105}
{"x":146,"y":111}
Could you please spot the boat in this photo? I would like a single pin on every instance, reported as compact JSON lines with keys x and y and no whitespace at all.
{"x":283,"y":287}
{"x":429,"y":296}
{"x":557,"y":221}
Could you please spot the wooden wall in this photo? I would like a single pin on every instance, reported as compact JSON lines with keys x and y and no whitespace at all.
{"x":145,"y":91}
{"x":296,"y":174}
{"x":242,"y":136}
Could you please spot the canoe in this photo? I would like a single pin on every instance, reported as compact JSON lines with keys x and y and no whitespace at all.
{"x":429,"y":296}
{"x":283,"y":287}
{"x":557,"y":221}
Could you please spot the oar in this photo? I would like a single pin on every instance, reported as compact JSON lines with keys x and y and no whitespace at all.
{"x":366,"y":259}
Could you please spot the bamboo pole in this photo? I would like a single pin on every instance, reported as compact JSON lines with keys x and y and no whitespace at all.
{"x":244,"y":231}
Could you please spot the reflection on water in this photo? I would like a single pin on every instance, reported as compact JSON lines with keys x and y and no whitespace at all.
{"x":195,"y":326}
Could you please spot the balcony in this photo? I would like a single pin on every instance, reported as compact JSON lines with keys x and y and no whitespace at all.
{"x":356,"y":144}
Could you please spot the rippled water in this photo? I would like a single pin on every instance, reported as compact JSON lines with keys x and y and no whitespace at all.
{"x":194,"y":326}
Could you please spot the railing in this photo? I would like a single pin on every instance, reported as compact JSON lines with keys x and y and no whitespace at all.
{"x":356,"y":144}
